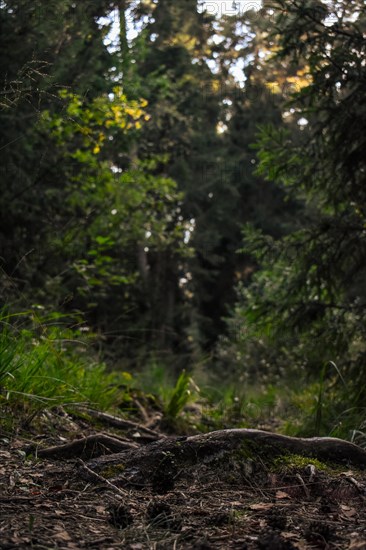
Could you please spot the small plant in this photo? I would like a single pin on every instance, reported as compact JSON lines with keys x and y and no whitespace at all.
{"x":180,"y":396}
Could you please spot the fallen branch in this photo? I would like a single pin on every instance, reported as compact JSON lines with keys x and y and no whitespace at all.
{"x":306,"y":490}
{"x":121,"y":423}
{"x":100,"y":479}
{"x":87,"y":447}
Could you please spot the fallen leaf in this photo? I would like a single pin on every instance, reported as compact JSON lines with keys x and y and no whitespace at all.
{"x":347,"y":511}
{"x":261,"y":506}
{"x":289,"y":535}
{"x":5,"y":454}
{"x":63,"y":536}
{"x":236,"y":503}
{"x":282,"y":494}
{"x":262,"y":523}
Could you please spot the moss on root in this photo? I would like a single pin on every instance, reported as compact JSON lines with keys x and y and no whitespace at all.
{"x":113,"y":470}
{"x":295,"y":462}
{"x":251,"y":453}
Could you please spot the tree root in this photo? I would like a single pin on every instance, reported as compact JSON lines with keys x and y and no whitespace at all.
{"x":250,"y":444}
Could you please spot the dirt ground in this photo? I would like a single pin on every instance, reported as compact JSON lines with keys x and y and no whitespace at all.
{"x":47,"y":504}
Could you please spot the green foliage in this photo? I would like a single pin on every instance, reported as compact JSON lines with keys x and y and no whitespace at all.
{"x":241,"y":405}
{"x":180,"y":396}
{"x":174,"y":395}
{"x":44,"y":364}
{"x":10,"y":358}
{"x":305,"y":306}
{"x":87,"y":213}
{"x":129,"y":174}
{"x":133,"y":175}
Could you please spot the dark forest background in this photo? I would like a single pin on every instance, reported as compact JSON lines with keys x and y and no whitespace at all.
{"x":184,"y":184}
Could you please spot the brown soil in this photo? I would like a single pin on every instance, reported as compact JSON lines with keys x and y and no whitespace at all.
{"x":219,"y":500}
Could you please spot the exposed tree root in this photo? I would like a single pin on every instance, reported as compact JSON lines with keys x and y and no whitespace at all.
{"x":173,"y":455}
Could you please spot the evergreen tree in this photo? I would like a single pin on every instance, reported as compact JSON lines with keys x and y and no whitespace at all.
{"x":310,"y":297}
{"x":204,"y":122}
{"x":172,"y":73}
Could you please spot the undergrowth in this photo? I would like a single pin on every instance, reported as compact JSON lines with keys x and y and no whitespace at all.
{"x":44,"y":364}
{"x":49,"y":362}
{"x":174,"y":396}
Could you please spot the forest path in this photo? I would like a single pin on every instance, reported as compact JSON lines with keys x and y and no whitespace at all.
{"x":204,"y":492}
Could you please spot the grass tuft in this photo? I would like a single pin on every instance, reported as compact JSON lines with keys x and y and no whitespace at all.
{"x":45,"y":364}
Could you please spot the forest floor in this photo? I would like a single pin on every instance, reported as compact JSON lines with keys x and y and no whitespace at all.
{"x":56,"y":502}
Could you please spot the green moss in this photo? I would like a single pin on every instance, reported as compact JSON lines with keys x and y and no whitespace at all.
{"x":113,"y":470}
{"x":293,"y":461}
{"x":275,"y":459}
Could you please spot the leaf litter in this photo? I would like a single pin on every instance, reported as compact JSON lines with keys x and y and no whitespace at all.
{"x":46,"y":504}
